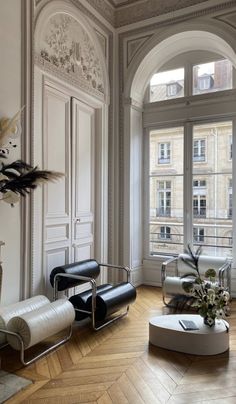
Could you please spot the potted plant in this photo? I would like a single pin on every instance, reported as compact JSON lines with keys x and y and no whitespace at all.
{"x":210,"y":299}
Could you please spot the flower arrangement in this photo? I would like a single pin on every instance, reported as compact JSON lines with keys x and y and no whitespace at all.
{"x":210,"y":299}
{"x":17,"y":178}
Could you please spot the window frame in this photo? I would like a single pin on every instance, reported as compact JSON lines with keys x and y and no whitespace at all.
{"x":200,"y":157}
{"x":166,"y":160}
{"x":154,"y":110}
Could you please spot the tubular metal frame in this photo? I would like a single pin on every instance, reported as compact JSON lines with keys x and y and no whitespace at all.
{"x":22,"y":348}
{"x":94,"y":293}
{"x":224,"y":273}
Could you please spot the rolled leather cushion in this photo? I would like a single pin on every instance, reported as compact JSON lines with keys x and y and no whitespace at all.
{"x":88,"y":268}
{"x":112,"y":300}
{"x":41,"y":323}
{"x":79,"y":301}
{"x":16,"y":309}
{"x":205,"y":262}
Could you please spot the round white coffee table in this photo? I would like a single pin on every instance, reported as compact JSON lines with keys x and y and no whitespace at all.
{"x":166,"y":332}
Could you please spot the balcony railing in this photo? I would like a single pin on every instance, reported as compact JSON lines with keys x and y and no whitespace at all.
{"x":157,"y":240}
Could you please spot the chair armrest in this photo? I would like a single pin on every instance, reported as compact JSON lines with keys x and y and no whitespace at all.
{"x":124,"y":268}
{"x":225,"y":270}
{"x":79,"y":277}
{"x":164,"y":268}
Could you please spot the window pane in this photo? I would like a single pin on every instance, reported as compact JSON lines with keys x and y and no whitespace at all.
{"x":213,"y":76}
{"x":212,"y":189}
{"x":167,"y":85}
{"x":166,"y":192}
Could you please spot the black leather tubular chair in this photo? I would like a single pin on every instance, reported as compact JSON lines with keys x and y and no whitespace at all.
{"x":98,"y":302}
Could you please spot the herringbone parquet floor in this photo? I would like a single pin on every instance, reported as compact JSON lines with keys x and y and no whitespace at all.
{"x":117,"y":365}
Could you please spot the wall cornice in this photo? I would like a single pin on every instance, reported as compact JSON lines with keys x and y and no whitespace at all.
{"x":169,"y":10}
{"x":142,"y":12}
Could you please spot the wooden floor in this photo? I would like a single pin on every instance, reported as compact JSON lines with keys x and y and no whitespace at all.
{"x":117,"y":365}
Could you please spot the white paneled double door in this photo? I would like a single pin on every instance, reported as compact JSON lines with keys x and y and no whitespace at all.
{"x":69,"y":204}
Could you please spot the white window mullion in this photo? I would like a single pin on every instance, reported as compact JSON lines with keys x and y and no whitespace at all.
{"x":234,"y":189}
{"x":146,"y":196}
{"x":188,"y":189}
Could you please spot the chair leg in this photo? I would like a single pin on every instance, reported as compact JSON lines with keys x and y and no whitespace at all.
{"x":22,"y":350}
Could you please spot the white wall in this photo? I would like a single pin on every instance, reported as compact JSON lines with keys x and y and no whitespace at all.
{"x":10,"y":93}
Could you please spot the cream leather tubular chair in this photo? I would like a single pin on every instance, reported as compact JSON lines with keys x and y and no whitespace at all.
{"x":174,"y":269}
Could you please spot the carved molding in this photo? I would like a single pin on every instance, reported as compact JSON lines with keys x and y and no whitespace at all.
{"x":134,"y":45}
{"x":68,"y":48}
{"x":136,"y":11}
{"x":152,"y":8}
{"x":104,"y":8}
{"x":103,"y":42}
{"x":136,"y":104}
{"x":227,"y":18}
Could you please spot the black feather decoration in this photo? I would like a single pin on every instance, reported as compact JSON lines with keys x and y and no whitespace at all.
{"x":20,"y":177}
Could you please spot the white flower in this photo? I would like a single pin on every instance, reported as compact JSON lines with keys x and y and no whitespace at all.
{"x":226,"y":296}
{"x":220,"y":313}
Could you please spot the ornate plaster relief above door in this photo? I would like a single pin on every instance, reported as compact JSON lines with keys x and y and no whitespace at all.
{"x":71,"y":50}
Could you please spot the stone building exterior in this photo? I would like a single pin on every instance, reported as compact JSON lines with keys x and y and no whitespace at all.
{"x":211,"y":191}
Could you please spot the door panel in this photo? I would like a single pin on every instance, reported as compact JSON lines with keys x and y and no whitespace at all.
{"x":54,"y":257}
{"x":57,"y":196}
{"x":83,"y":179}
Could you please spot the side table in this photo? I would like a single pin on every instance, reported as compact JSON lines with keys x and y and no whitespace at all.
{"x":166,"y":332}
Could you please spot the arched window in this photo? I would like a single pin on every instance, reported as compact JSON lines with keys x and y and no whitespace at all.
{"x":189,"y":153}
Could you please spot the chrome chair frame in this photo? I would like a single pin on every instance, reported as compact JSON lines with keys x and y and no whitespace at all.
{"x":94,"y":293}
{"x":34,"y":358}
{"x":224,"y":275}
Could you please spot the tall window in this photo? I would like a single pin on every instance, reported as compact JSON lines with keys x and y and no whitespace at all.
{"x":164,"y":153}
{"x":190,"y":199}
{"x":199,"y":198}
{"x":209,"y":199}
{"x":164,"y":198}
{"x":165,"y":233}
{"x":165,"y":182}
{"x":230,"y":199}
{"x":199,"y":150}
{"x":199,"y":205}
{"x":230,"y":147}
{"x":198,"y":235}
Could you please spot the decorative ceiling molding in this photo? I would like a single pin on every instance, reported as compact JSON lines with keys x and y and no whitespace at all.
{"x":124,"y":3}
{"x":120,"y":13}
{"x":104,"y":8}
{"x":152,"y":8}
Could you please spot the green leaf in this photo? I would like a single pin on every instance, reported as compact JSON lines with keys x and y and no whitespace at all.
{"x":210,"y":273}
